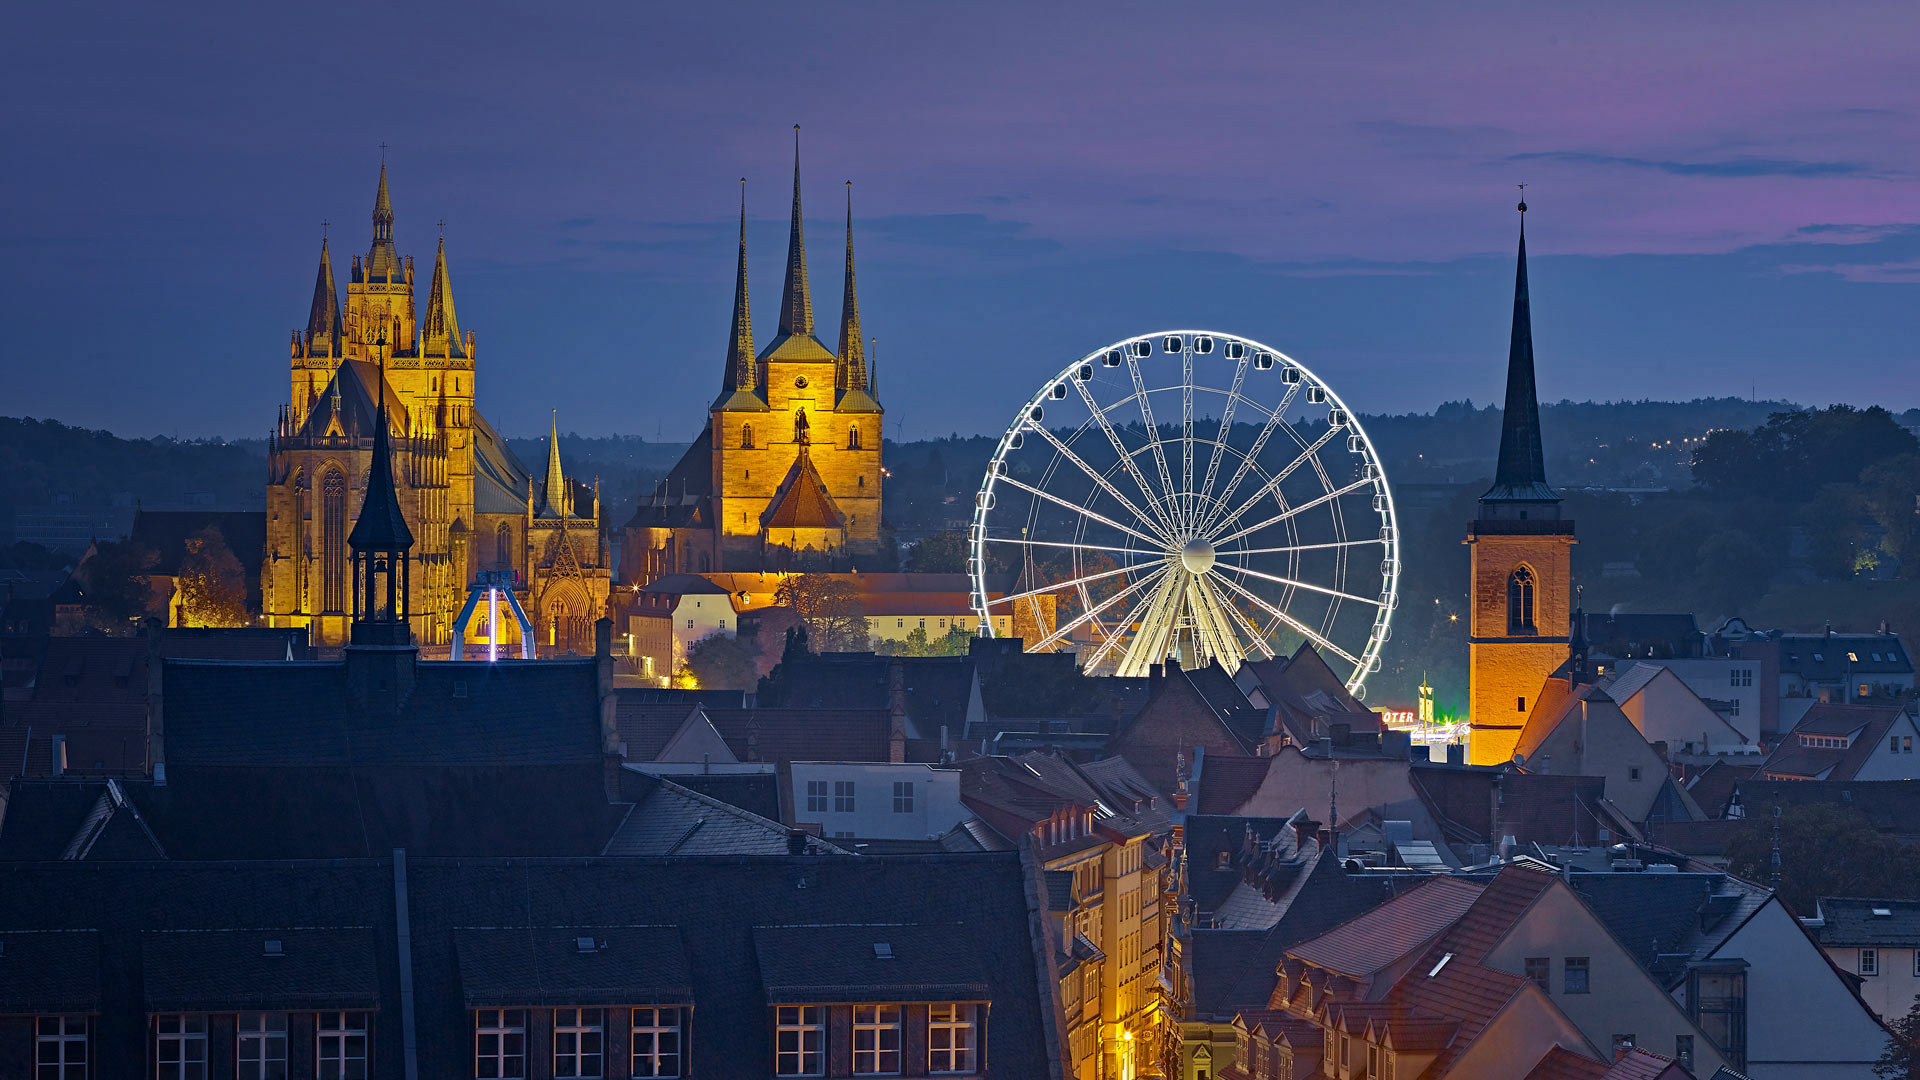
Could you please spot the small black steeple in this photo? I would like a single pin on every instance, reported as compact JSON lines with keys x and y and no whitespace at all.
{"x":381,"y":542}
{"x":1521,"y":475}
{"x":1578,"y":673}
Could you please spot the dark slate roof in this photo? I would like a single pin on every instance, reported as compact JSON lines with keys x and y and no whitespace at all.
{"x":1867,"y":726}
{"x":538,"y":712}
{"x":215,"y":970}
{"x":1714,"y":785}
{"x":803,"y":734}
{"x":756,"y":793}
{"x":1668,"y":920}
{"x":882,"y":961}
{"x":647,"y":727}
{"x":1853,"y":922}
{"x":667,"y":819}
{"x":132,"y":937}
{"x":553,"y":965}
{"x":1842,"y":656}
{"x":1642,"y":635}
{"x":49,"y":970}
{"x":938,"y":688}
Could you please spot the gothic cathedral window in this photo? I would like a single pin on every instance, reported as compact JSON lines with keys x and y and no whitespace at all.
{"x":333,"y":541}
{"x":746,"y":436}
{"x":503,"y":546}
{"x":853,"y":437}
{"x":1520,"y":602}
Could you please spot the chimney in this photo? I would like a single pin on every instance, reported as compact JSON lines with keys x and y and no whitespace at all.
{"x":896,"y":710}
{"x":1155,"y":673}
{"x":796,"y":841}
{"x":156,"y":727}
{"x":610,"y":752}
{"x":59,"y":755}
{"x":1304,"y":829}
{"x":1340,"y":733}
{"x":1456,"y":754}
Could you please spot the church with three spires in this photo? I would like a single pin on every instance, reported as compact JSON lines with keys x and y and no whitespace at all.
{"x":786,"y":473}
{"x":370,"y":368}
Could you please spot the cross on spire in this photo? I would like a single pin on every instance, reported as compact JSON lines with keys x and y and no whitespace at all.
{"x":323,"y":228}
{"x":443,"y":228}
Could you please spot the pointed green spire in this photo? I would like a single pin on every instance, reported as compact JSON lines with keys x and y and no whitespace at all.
{"x":796,"y":300}
{"x":853,"y":353}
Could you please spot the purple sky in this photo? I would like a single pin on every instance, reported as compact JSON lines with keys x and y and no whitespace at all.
{"x":1723,"y":195}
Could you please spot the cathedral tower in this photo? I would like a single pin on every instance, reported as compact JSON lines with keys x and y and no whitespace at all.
{"x":1519,"y":561}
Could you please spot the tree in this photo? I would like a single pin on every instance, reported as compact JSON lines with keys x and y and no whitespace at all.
{"x":1824,"y":851}
{"x":954,"y":642}
{"x":116,"y":582}
{"x":1831,"y":523}
{"x":1800,"y":451}
{"x":212,"y":584}
{"x":720,"y":662}
{"x":829,"y":607}
{"x":1891,"y":491}
{"x":940,"y":553}
{"x":1901,"y":1061}
{"x":1732,"y":570}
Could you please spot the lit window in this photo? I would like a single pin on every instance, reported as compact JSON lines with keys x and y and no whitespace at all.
{"x":903,"y":796}
{"x":340,"y":1046}
{"x":800,"y":1036}
{"x":61,"y":1047}
{"x":1575,"y":976}
{"x":843,"y":796}
{"x":180,"y":1047}
{"x":1853,"y":658}
{"x":499,"y":1044}
{"x":952,"y":1038}
{"x":656,"y":1042}
{"x":816,"y":796}
{"x":876,"y":1039}
{"x":579,"y":1042}
{"x":260,"y":1046}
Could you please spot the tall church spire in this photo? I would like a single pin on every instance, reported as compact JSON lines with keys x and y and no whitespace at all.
{"x":740,"y":381}
{"x":1521,"y":474}
{"x":554,"y":494}
{"x":382,"y":263}
{"x":381,"y":541}
{"x":323,"y":320}
{"x":796,"y":301}
{"x":440,"y":334}
{"x":853,"y":352}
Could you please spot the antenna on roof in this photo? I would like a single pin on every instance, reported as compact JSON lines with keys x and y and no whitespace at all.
{"x":1773,"y":861}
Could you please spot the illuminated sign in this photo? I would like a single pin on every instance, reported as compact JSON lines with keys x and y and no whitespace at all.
{"x":1392,"y":717}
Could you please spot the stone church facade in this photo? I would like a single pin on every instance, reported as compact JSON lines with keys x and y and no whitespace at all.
{"x":471,"y":505}
{"x":786,"y":474}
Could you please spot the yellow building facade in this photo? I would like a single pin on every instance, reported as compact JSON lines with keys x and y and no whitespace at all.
{"x":1520,"y":562}
{"x":786,"y":474}
{"x":469,"y":502}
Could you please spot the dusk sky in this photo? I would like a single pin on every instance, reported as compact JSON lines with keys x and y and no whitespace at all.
{"x":1723,"y":196}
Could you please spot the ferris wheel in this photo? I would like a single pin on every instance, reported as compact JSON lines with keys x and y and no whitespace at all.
{"x":1187,"y":494}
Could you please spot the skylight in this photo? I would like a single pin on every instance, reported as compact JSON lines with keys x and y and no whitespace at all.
{"x":882,"y":950}
{"x":1882,"y":913}
{"x":1438,"y":966}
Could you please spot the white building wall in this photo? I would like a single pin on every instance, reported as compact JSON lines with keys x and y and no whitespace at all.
{"x":935,"y":806}
{"x":696,"y":616}
{"x":937,"y":625}
{"x":1892,"y":989}
{"x":1668,"y":710}
{"x":1725,"y":679}
{"x":1888,"y":763}
{"x":1802,"y":1021}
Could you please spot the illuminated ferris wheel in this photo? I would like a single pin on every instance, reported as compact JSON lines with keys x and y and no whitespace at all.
{"x":1191,"y":494}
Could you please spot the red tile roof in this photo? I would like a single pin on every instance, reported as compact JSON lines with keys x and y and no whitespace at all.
{"x":1561,"y":1063}
{"x":1867,"y":724}
{"x":1641,"y":1064}
{"x":1375,"y":940}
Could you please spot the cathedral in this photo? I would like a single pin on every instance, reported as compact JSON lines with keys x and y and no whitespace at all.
{"x":470,"y":505}
{"x":786,"y":474}
{"x":1520,"y":561}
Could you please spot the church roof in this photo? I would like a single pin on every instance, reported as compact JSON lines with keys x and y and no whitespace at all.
{"x":347,"y":405}
{"x":743,"y":372}
{"x":1521,"y":475}
{"x":679,"y":500}
{"x":853,"y":350}
{"x":796,"y":300}
{"x":555,"y":498}
{"x":381,"y":526}
{"x":802,"y":501}
{"x":499,"y":479}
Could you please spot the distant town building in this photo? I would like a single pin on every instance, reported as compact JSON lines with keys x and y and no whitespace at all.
{"x":1847,"y":742}
{"x":1877,"y":941}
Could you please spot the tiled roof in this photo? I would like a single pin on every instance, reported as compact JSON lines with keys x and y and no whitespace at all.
{"x":271,"y":968}
{"x":938,"y":689}
{"x":1642,"y":1064}
{"x":647,"y":727}
{"x":1561,"y":1063}
{"x":882,"y":961}
{"x":1832,"y":718}
{"x":1665,"y":921}
{"x":1851,"y":922}
{"x":1843,"y":656}
{"x":1642,"y":635}
{"x":1386,"y":934}
{"x":552,"y":965}
{"x":49,"y":970}
{"x":668,"y":819}
{"x":803,"y":734}
{"x":802,"y":502}
{"x":1227,"y":783}
{"x":1713,"y":786}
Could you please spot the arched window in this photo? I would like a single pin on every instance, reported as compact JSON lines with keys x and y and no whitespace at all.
{"x":746,"y":436}
{"x":853,"y":437}
{"x":503,"y":547}
{"x":333,"y":541}
{"x":1520,"y":601}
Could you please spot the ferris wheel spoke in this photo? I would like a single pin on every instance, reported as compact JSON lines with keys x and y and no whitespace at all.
{"x":1225,"y":432}
{"x":1296,"y":625}
{"x":1187,"y":507}
{"x":1126,"y":458}
{"x":1156,"y":629}
{"x":1120,"y":630}
{"x":1210,"y":626}
{"x":1070,"y":583}
{"x":1105,"y":484}
{"x":1094,"y":611}
{"x":1291,"y":511}
{"x":1299,"y":547}
{"x":1253,"y":633}
{"x":1083,"y":511}
{"x":1259,"y":443}
{"x":1311,"y":587}
{"x":1153,"y":435}
{"x":1273,"y":482}
{"x":1062,"y":544}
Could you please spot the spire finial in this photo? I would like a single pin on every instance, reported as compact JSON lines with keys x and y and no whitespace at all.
{"x":324,"y":223}
{"x":742,"y":374}
{"x":1523,"y":209}
{"x":443,"y":228}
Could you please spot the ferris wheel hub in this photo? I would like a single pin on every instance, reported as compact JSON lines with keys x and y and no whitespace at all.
{"x":1197,"y":557}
